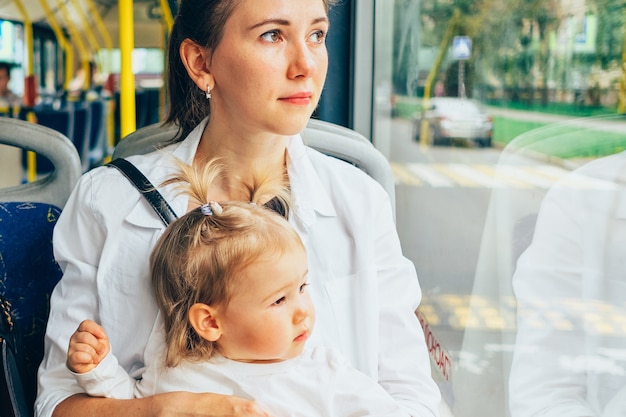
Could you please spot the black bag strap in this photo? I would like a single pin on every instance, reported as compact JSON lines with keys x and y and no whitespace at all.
{"x":149,"y":191}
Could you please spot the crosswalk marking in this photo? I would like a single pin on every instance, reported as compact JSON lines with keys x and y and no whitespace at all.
{"x":404,"y":176}
{"x":462,"y":312}
{"x":449,"y":175}
{"x":429,"y":175}
{"x":528,"y":175}
{"x":457,"y":175}
{"x":482,"y":174}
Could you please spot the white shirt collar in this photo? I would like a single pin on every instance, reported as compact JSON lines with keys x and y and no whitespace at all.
{"x":309,"y":194}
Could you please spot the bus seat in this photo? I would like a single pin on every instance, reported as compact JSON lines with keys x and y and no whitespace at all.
{"x":62,"y":121}
{"x":28,"y":271}
{"x":81,"y":132}
{"x":97,"y":139}
{"x":331,"y":139}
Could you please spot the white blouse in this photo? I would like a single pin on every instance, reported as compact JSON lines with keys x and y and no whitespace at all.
{"x":364,"y":290}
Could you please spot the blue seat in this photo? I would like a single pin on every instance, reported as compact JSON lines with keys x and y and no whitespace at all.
{"x":28,"y":271}
{"x":97,"y":131}
{"x":81,"y":131}
{"x":62,"y":121}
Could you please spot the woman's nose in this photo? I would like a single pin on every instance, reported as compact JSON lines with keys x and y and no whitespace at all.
{"x":302,"y":61}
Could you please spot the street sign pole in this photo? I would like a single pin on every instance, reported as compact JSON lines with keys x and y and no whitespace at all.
{"x":462,"y":78}
{"x":462,"y":51}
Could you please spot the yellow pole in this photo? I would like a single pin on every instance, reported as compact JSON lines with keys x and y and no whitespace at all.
{"x":433,"y":72}
{"x":127,"y":78}
{"x":63,"y":43}
{"x":76,"y":38}
{"x":167,"y":15}
{"x":31,"y":158}
{"x":107,"y":68}
{"x":91,"y":38}
{"x":621,"y":104}
{"x":167,"y":23}
{"x":28,"y":34}
{"x":104,"y":33}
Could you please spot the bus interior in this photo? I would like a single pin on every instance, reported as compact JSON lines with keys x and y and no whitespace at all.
{"x":497,"y":128}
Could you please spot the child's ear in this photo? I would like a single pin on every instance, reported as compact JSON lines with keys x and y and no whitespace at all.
{"x":203,"y":319}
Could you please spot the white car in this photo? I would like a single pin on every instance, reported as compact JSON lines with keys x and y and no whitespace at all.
{"x":452,"y":118}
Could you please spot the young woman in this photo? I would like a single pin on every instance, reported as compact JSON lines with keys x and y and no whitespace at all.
{"x":259,"y":66}
{"x":230,"y":280}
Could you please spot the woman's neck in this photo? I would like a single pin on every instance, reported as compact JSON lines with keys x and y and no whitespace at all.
{"x":244,"y":158}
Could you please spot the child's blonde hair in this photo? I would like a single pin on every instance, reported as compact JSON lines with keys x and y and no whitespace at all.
{"x":199,"y":254}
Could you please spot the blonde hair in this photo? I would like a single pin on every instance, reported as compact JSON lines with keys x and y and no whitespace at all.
{"x":198,"y":256}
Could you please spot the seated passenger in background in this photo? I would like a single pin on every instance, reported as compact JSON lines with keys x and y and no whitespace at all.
{"x":7,"y":97}
{"x":230,"y":281}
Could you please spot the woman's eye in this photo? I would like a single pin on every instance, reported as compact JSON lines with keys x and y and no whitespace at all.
{"x":318,"y":36}
{"x":271,"y":36}
{"x":279,"y":301}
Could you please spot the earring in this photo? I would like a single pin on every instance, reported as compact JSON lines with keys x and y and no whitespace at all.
{"x":208,"y":92}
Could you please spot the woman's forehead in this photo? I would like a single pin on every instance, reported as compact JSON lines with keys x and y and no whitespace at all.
{"x":259,"y":10}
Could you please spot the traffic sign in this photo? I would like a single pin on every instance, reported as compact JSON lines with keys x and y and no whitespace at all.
{"x":462,"y":47}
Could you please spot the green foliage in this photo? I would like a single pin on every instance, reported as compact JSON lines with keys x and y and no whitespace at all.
{"x":561,"y":140}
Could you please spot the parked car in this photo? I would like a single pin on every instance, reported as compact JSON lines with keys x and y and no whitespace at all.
{"x":452,"y":118}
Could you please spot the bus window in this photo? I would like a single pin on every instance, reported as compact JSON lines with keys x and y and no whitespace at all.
{"x":504,"y":125}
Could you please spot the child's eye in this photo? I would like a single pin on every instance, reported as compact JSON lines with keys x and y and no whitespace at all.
{"x":303,"y":286}
{"x":279,"y":301}
{"x":318,"y":36}
{"x":271,"y":36}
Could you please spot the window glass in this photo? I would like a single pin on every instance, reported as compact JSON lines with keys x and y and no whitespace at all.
{"x":145,"y":60}
{"x":504,"y":123}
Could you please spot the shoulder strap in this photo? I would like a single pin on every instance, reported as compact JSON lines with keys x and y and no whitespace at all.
{"x":149,"y":191}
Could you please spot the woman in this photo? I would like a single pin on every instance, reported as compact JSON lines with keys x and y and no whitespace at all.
{"x":260,"y":65}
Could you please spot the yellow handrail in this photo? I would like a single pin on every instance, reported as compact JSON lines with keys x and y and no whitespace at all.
{"x":621,"y":104}
{"x":167,"y":15}
{"x":91,"y":38}
{"x":104,"y":34}
{"x":127,"y":78}
{"x":76,"y":39}
{"x":107,"y":68}
{"x":31,"y":159}
{"x":167,"y":22}
{"x":63,"y":43}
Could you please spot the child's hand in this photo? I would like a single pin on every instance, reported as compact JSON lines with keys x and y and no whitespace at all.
{"x":88,"y":346}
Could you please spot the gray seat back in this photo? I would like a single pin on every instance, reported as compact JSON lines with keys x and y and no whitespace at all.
{"x":55,"y":187}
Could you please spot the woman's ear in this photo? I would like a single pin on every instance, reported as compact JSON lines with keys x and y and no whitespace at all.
{"x":203,"y":319}
{"x":196,"y":60}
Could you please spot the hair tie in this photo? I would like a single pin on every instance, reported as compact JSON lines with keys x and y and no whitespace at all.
{"x":211,"y":208}
{"x":206,"y":209}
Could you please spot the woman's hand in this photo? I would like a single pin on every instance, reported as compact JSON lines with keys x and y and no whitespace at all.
{"x":170,"y":404}
{"x":88,"y":346}
{"x":204,"y":405}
